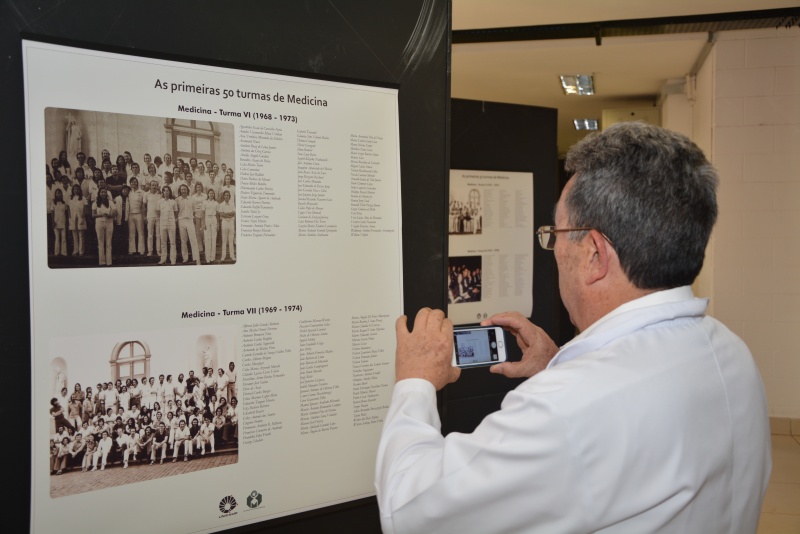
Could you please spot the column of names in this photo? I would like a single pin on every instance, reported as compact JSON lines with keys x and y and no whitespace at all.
{"x":365,"y":168}
{"x":320,"y":400}
{"x":370,"y":369}
{"x":313,"y":187}
{"x":256,"y":196}
{"x":262,"y":375}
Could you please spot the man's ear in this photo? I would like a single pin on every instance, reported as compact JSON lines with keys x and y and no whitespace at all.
{"x":601,"y":253}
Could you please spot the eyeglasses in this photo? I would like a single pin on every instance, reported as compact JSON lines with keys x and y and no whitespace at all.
{"x":547,"y":235}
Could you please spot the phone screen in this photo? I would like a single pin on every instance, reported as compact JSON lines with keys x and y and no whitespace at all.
{"x":476,"y":346}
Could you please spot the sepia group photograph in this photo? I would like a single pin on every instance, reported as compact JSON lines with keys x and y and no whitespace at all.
{"x":133,"y":190}
{"x":138,"y":406}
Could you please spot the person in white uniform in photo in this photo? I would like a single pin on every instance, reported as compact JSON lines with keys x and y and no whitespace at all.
{"x":182,"y":436}
{"x":205,"y":436}
{"x":136,"y":213}
{"x":186,"y":225}
{"x":103,"y":212}
{"x":198,"y":207}
{"x":161,"y":391}
{"x":151,"y":202}
{"x":210,"y":225}
{"x":104,"y":447}
{"x":167,"y":210}
{"x":59,"y":210}
{"x":652,"y":419}
{"x":77,"y":218}
{"x":227,"y":215}
{"x":222,"y":382}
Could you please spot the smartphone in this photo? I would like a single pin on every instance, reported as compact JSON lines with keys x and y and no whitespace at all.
{"x":479,"y":345}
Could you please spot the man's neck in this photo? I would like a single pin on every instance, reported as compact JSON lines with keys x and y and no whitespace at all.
{"x":601,"y":303}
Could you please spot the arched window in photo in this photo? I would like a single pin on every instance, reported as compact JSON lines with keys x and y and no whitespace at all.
{"x":130,"y":359}
{"x":474,"y":198}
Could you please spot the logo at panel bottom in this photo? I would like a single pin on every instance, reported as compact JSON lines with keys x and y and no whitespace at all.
{"x":254,"y":500}
{"x":227,"y":504}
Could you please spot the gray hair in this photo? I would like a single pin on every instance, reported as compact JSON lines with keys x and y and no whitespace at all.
{"x":652,"y":193}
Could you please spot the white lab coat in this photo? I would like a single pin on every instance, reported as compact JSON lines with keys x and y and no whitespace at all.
{"x":652,"y":420}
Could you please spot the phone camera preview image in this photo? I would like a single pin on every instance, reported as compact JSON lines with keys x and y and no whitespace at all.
{"x":478,"y":346}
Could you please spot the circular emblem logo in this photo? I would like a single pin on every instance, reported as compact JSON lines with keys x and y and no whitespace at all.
{"x":227,"y":504}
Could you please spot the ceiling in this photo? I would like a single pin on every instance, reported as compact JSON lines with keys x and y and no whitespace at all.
{"x":629,"y":71}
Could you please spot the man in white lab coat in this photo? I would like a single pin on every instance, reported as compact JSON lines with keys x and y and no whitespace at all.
{"x":652,"y":419}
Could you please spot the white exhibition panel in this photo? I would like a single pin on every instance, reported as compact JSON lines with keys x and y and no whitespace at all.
{"x":490,"y":224}
{"x":306,"y":311}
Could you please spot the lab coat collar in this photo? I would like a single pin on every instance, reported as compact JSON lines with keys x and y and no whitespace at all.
{"x":653,"y":308}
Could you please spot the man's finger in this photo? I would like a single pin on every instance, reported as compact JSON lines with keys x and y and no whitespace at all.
{"x":447,"y":326}
{"x":421,"y":319}
{"x":435,"y":319}
{"x":401,"y":326}
{"x":514,"y":320}
{"x":507,"y":369}
{"x":455,"y":373}
{"x":498,"y":369}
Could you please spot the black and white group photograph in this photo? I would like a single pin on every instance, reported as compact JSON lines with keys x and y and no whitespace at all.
{"x":465,"y":211}
{"x":464,"y":279}
{"x":132,"y":407}
{"x":132,"y":190}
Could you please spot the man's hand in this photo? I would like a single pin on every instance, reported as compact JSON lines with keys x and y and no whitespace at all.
{"x":427,"y":352}
{"x":537,"y":347}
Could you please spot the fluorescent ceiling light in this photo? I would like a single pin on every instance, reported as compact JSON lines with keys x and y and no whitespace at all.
{"x":585,"y":124}
{"x":577,"y":84}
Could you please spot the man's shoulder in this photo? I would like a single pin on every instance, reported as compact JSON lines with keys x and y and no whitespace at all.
{"x":669,"y":363}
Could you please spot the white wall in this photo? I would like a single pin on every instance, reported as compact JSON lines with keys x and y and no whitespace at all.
{"x":702,"y":130}
{"x":676,"y":114}
{"x":751,"y":83}
{"x":682,"y":114}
